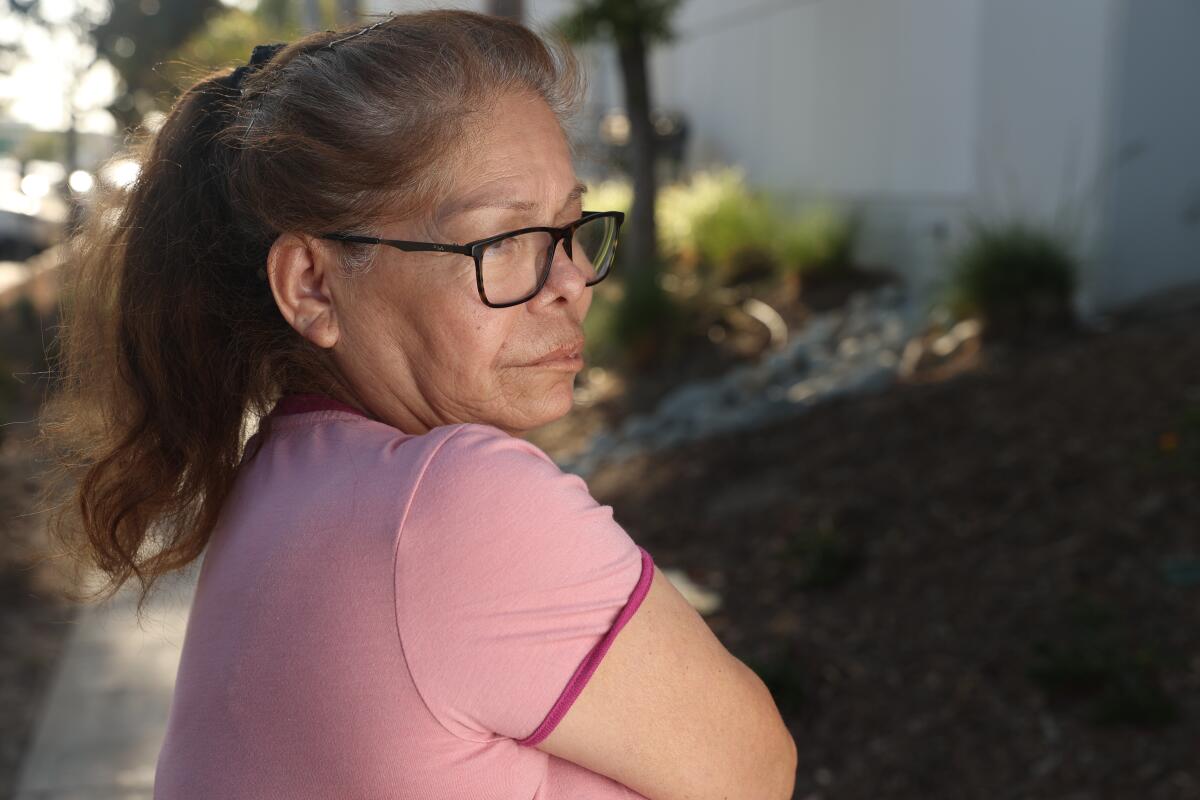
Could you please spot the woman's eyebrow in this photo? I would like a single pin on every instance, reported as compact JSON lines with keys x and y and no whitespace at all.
{"x":498,"y":200}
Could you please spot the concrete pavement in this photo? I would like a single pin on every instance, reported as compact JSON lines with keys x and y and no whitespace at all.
{"x":105,"y":714}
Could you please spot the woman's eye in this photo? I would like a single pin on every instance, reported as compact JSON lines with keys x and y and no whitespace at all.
{"x":497,"y":247}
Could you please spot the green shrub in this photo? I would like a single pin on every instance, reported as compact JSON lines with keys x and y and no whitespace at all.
{"x":600,"y":324}
{"x":1015,"y":276}
{"x":632,"y":320}
{"x":820,"y":237}
{"x":646,"y":323}
{"x":735,"y":237}
{"x":681,"y":206}
{"x":614,"y":194}
{"x":715,"y":225}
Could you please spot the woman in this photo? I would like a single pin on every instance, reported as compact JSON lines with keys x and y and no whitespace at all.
{"x":399,"y":596}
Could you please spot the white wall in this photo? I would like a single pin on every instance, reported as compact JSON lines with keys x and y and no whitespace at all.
{"x":927,"y":111}
{"x":1045,"y":85}
{"x":866,"y":99}
{"x":1153,"y":222}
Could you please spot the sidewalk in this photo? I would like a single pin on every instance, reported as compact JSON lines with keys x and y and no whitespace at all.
{"x":105,"y":713}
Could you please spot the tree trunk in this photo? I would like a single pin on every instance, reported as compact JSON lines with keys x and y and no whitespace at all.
{"x":348,"y":11}
{"x":642,"y":251}
{"x":513,"y":9}
{"x":310,"y":15}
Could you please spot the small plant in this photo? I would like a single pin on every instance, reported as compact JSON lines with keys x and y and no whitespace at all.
{"x":646,"y":323}
{"x":734,"y":238}
{"x":681,"y":205}
{"x":824,"y":557}
{"x":1089,"y":661}
{"x":1015,"y":276}
{"x":821,"y":237}
{"x":715,"y":226}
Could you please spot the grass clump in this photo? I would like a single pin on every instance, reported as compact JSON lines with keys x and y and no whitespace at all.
{"x":1018,"y":278}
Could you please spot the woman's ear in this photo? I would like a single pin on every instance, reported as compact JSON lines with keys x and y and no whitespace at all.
{"x":300,"y":272}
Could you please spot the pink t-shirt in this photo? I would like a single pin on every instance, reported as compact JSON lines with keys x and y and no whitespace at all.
{"x":383,"y":615}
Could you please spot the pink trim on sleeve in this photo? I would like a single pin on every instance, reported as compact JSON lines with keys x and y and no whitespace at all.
{"x":584,"y":671}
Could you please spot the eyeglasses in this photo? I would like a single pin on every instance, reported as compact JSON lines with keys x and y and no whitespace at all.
{"x":512,"y":267}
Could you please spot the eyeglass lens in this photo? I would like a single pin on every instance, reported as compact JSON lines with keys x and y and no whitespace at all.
{"x":513,"y":267}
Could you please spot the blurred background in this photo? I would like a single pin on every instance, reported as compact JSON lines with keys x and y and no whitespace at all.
{"x":896,"y":375}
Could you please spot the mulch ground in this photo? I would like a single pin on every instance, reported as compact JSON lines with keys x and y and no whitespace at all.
{"x":982,"y":586}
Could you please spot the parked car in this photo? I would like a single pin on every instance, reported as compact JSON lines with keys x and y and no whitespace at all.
{"x":24,"y":235}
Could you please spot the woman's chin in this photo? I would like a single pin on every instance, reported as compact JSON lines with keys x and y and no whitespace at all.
{"x":555,"y":404}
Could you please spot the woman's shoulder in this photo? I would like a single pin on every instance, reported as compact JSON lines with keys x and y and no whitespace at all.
{"x":473,"y":466}
{"x":482,"y":445}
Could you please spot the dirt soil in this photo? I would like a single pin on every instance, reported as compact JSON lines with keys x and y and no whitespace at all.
{"x":982,"y":583}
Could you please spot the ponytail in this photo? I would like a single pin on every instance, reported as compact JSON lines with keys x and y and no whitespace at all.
{"x":172,"y":346}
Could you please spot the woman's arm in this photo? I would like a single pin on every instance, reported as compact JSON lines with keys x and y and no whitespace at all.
{"x":671,"y":714}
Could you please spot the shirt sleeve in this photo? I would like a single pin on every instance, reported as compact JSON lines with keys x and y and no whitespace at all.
{"x":511,"y":584}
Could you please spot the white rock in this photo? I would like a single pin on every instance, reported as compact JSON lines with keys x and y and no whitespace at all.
{"x":705,"y":601}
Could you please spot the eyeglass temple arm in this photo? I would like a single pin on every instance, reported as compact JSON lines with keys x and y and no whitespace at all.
{"x":399,"y":244}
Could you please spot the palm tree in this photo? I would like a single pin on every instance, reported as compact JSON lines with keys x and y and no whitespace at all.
{"x":634,"y":26}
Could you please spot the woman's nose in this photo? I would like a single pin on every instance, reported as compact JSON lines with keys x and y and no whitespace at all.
{"x":565,"y":278}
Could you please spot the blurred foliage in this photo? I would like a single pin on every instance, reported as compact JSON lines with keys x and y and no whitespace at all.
{"x":228,"y":40}
{"x":614,"y":194}
{"x":714,"y":231}
{"x":733,"y":237}
{"x":716,"y":225}
{"x":618,"y":20}
{"x":135,"y":38}
{"x":160,"y":47}
{"x":41,"y":146}
{"x":821,"y":236}
{"x":1015,"y":276}
{"x":647,"y":324}
{"x":600,"y":325}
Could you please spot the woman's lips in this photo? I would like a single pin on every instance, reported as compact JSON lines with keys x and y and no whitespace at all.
{"x":571,"y":354}
{"x":562,"y":362}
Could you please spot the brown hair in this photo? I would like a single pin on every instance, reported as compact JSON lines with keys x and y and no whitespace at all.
{"x":171,"y":342}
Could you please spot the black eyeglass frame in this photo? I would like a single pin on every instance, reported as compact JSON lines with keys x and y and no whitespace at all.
{"x":476,"y":249}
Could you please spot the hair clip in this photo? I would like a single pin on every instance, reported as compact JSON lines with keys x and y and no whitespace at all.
{"x":330,"y":45}
{"x":261,"y":54}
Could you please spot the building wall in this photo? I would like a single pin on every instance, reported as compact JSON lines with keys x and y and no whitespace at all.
{"x":856,"y":99}
{"x":1152,"y":224}
{"x":920,"y":111}
{"x":1044,"y":94}
{"x":927,"y":113}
